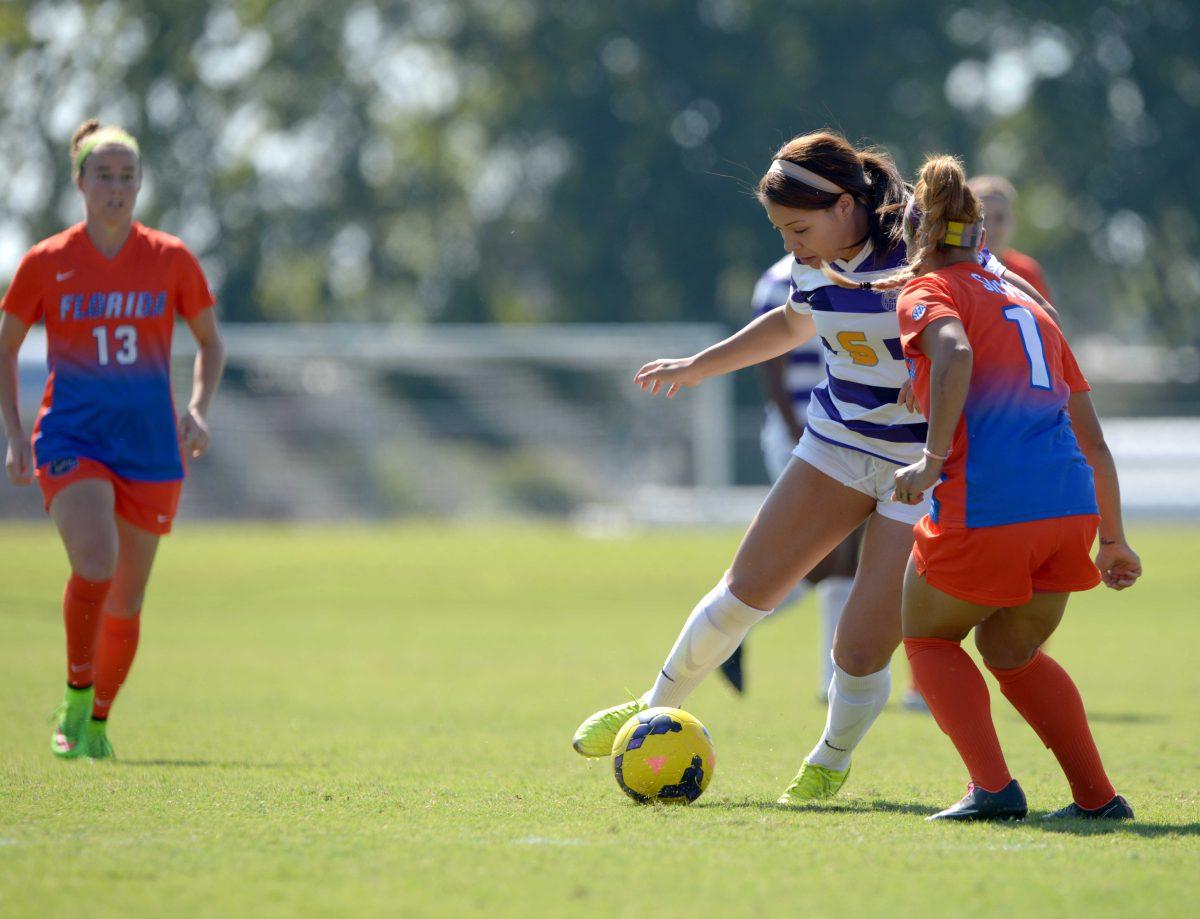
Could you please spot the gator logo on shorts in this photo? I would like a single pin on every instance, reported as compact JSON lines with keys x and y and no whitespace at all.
{"x":61,"y":467}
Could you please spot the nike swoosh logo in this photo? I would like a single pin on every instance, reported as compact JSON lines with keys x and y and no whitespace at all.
{"x":163,"y":518}
{"x":80,"y":668}
{"x":63,"y":275}
{"x":832,"y":747}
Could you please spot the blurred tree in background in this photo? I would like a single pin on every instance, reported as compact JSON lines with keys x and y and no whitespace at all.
{"x":513,"y":161}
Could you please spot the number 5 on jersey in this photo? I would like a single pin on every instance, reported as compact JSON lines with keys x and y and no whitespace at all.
{"x":853,"y":343}
{"x":126,"y":336}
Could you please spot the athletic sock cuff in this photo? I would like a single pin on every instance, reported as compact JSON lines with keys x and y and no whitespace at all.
{"x":88,"y":591}
{"x":122,"y":625}
{"x":1016,"y":673}
{"x":727,"y":613}
{"x":848,"y":685}
{"x":914,"y":646}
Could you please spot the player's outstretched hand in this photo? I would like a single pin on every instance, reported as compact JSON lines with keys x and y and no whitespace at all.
{"x":20,"y":461}
{"x":907,"y":397}
{"x":911,"y":481}
{"x":193,"y":434}
{"x":1119,"y":565}
{"x":670,"y":374}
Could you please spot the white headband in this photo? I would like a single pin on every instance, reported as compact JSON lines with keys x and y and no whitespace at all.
{"x":805,"y":176}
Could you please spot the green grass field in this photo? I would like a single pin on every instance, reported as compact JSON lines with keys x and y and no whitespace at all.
{"x":378,"y":721}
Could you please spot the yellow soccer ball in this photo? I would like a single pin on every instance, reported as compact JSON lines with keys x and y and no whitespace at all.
{"x":663,"y":754}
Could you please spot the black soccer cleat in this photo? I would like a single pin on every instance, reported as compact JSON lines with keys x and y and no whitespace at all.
{"x":1116,"y":809}
{"x":733,"y":673}
{"x":979,"y":804}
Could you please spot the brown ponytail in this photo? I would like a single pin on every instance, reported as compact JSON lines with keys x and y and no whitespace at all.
{"x":942,"y":195}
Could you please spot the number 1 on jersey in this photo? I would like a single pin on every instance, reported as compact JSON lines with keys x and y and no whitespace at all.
{"x":126,"y":335}
{"x":1031,"y":339}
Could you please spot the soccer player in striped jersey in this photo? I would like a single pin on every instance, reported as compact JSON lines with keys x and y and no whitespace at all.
{"x":1021,"y":481}
{"x":788,"y":381}
{"x":107,"y":449}
{"x":839,"y":209}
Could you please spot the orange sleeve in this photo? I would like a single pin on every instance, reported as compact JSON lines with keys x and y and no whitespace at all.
{"x":922,"y":301}
{"x":26,"y":295}
{"x":1039,"y":281}
{"x":191,"y":287}
{"x":1071,"y":373}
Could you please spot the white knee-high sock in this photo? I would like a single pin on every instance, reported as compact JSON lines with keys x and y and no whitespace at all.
{"x":854,"y":704}
{"x":714,"y":629}
{"x":832,"y":594}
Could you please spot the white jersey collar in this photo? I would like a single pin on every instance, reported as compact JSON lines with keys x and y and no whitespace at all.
{"x":849,"y":266}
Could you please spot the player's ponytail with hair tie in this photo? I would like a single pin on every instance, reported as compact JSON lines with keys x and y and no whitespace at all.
{"x":942,"y":211}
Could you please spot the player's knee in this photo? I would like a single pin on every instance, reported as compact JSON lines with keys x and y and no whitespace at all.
{"x":94,"y":565}
{"x":124,"y":606}
{"x":1002,"y":650}
{"x":756,"y":595}
{"x":859,"y":659}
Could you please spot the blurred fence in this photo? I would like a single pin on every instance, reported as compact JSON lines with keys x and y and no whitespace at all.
{"x":355,"y":422}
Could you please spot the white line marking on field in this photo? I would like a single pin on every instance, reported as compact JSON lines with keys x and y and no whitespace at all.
{"x":548,"y":841}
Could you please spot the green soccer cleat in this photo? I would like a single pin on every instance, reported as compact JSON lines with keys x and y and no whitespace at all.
{"x":97,"y":745}
{"x":70,"y":723}
{"x":813,"y":783}
{"x":596,"y":735}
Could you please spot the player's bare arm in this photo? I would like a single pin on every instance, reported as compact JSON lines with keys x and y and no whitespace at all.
{"x":944,"y":342}
{"x":206,"y":377}
{"x":1119,"y":565}
{"x":770,"y":335}
{"x":19,"y":460}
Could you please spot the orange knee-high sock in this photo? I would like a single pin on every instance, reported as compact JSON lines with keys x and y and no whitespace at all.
{"x":82,"y":602}
{"x":1047,"y":698}
{"x":958,"y":697}
{"x":114,"y":656}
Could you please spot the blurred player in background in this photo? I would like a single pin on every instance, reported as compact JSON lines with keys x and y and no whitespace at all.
{"x":1021,"y":480}
{"x":999,"y":200}
{"x":107,"y":449}
{"x":788,"y":381}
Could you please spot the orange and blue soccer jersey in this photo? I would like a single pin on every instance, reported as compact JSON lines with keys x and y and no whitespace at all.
{"x":109,"y":324}
{"x":1014,"y":456}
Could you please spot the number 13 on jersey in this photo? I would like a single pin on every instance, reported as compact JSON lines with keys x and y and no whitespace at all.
{"x":126,"y":342}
